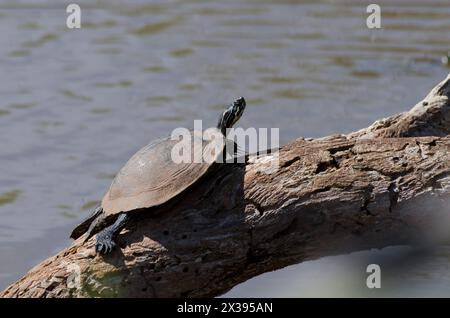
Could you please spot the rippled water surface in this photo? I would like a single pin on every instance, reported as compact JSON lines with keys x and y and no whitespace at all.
{"x":75,"y":104}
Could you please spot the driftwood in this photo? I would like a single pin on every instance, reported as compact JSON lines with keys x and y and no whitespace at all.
{"x":385,"y":185}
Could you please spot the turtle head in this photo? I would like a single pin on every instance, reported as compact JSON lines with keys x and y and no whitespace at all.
{"x":231,"y":115}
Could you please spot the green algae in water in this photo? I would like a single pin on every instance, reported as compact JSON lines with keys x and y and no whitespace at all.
{"x":64,"y":207}
{"x":19,"y":53}
{"x":157,"y":100}
{"x":122,"y":83}
{"x":281,"y":79}
{"x":9,"y":197}
{"x":100,"y":110}
{"x":153,"y":28}
{"x":365,"y":74}
{"x":90,"y":205}
{"x":181,"y":52}
{"x":70,"y":94}
{"x":46,"y":38}
{"x":23,"y":105}
{"x":156,"y":69}
{"x":105,"y":175}
{"x":4,"y":112}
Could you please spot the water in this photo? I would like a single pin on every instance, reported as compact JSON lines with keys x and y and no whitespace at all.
{"x":75,"y":104}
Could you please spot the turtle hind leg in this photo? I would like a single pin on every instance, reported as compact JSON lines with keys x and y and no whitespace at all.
{"x":105,"y":241}
{"x":83,"y":227}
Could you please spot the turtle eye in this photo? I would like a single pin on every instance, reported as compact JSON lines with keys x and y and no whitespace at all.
{"x":240,"y":104}
{"x":238,"y":108}
{"x":231,"y":115}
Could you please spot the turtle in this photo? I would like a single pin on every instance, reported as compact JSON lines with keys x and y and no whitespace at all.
{"x":151,"y":178}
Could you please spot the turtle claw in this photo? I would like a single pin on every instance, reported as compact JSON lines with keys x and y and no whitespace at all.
{"x":110,"y":247}
{"x":104,"y":244}
{"x":98,"y":247}
{"x":105,"y":238}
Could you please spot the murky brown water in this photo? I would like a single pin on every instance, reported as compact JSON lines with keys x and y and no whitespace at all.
{"x":75,"y":104}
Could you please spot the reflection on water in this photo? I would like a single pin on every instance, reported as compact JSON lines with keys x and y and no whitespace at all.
{"x":77,"y":103}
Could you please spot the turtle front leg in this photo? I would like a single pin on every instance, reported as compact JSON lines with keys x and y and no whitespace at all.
{"x":105,"y":238}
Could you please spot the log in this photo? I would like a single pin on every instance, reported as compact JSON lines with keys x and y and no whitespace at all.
{"x":387,"y":184}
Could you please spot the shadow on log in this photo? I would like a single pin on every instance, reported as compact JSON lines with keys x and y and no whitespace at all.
{"x":388,"y":184}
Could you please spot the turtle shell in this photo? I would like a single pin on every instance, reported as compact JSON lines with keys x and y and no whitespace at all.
{"x":151,"y":177}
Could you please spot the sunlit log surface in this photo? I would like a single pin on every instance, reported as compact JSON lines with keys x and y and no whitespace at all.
{"x":387,"y":184}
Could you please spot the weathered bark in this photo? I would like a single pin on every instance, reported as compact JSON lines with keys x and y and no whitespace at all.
{"x":329,"y":196}
{"x":429,"y":117}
